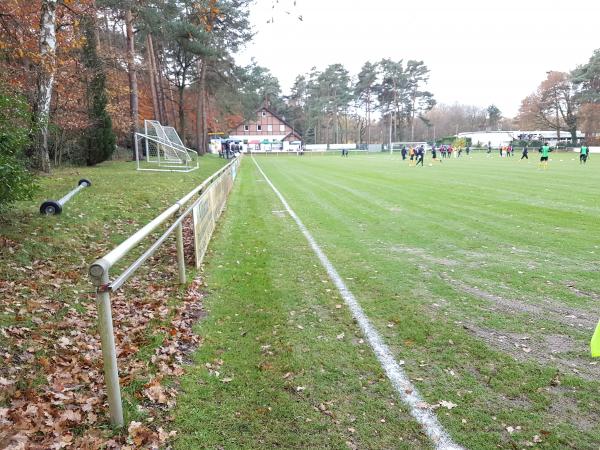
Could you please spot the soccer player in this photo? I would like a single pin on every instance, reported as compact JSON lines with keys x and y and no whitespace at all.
{"x":583,"y":154}
{"x":420,"y":156}
{"x":525,"y":153}
{"x":544,"y":151}
{"x":404,"y":152}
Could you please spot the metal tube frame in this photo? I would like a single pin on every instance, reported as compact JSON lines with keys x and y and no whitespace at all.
{"x":68,"y":197}
{"x":99,"y":273}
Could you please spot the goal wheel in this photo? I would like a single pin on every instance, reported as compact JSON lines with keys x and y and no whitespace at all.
{"x":50,"y":207}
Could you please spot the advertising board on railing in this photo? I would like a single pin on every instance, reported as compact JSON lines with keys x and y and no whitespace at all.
{"x":209,"y":207}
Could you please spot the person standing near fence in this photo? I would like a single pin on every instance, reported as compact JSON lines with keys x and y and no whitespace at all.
{"x":525,"y":153}
{"x":403,"y":152}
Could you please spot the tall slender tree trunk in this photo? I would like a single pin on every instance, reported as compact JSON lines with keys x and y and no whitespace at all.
{"x":156,"y":79}
{"x":133,"y":84}
{"x":160,"y":82}
{"x":47,"y":46}
{"x":181,"y":92}
{"x":201,"y":119}
{"x":368,"y":116}
{"x":151,"y":77}
{"x":390,"y":133}
{"x":412,"y":120}
{"x":172,"y":103}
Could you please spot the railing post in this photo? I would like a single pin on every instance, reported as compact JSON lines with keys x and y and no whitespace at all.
{"x":109,"y":353}
{"x":180,"y":254}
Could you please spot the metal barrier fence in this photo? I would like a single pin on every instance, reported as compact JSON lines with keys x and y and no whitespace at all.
{"x":206,"y":209}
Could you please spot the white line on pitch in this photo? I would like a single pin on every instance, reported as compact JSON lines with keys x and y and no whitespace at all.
{"x":407,"y":391}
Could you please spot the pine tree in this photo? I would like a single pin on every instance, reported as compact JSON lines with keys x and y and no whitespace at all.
{"x":99,"y":138}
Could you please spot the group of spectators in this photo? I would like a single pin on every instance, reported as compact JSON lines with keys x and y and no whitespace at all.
{"x":229,"y":149}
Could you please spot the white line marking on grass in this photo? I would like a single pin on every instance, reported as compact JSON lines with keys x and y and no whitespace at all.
{"x":407,"y":391}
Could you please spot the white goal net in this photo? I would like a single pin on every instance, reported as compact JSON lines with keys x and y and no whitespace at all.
{"x":160,"y":149}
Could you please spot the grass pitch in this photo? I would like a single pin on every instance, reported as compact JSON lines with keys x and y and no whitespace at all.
{"x":481,"y":273}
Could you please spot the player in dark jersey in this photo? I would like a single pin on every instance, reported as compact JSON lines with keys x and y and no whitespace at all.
{"x":420,"y":156}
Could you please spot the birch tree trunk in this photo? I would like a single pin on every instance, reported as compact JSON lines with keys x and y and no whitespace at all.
{"x":45,"y":80}
{"x":133,"y":84}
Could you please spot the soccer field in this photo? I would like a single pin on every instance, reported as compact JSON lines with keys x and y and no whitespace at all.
{"x":481,"y":275}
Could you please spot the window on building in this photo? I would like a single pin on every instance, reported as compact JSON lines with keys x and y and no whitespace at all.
{"x":264,"y":113}
{"x":282,"y":127}
{"x":246,"y":128}
{"x":269,"y":127}
{"x":258,"y":127}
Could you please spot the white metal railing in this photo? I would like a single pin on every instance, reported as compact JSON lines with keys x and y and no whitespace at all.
{"x":212,"y":196}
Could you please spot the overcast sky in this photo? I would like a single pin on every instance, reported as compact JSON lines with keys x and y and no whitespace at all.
{"x":479,"y":52}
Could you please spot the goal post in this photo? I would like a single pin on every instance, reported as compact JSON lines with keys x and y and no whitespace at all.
{"x":163,"y":150}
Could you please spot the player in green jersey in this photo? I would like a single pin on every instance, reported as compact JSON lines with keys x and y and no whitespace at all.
{"x":583,"y":154}
{"x":544,"y":151}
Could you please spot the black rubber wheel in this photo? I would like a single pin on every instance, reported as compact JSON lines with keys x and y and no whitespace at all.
{"x":50,"y":207}
{"x":88,"y":183}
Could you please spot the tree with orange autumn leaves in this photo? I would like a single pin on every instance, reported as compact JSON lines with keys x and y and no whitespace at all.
{"x":165,"y":60}
{"x":566,"y":102}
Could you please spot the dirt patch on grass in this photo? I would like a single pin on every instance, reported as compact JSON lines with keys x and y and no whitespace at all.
{"x":581,"y":293}
{"x":423,"y":255}
{"x":545,"y":310}
{"x":555,"y":350}
{"x":565,"y":408}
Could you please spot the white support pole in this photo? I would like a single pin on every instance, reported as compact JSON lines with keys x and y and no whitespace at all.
{"x":137,"y":154}
{"x":146,"y":133}
{"x":109,"y":353}
{"x":180,"y":254}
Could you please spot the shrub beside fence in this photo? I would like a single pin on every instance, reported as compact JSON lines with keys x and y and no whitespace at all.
{"x":205,"y":209}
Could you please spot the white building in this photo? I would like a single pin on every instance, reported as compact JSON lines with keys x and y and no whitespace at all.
{"x":502,"y":138}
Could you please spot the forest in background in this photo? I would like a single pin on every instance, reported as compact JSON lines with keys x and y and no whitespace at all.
{"x":78,"y":77}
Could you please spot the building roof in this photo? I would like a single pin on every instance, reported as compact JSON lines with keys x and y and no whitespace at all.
{"x":277,"y":116}
{"x":292,"y":133}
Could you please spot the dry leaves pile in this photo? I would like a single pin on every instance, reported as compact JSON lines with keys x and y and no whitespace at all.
{"x":51,"y":377}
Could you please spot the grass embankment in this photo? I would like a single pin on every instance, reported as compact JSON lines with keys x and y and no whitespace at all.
{"x":52,"y":386}
{"x":480,"y":272}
